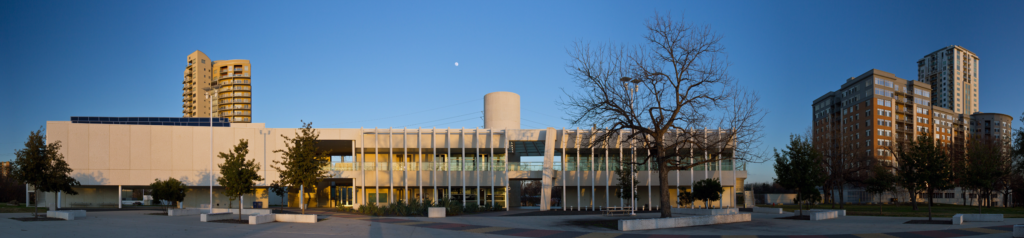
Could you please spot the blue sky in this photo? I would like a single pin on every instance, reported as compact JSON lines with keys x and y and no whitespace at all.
{"x":391,"y":64}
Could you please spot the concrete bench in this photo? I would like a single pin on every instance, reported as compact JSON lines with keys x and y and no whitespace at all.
{"x":768,"y":210}
{"x":296,"y":218}
{"x":841,"y":212}
{"x":244,"y":211}
{"x":961,"y":218}
{"x":77,"y":213}
{"x":672,"y":222}
{"x":435,"y":212}
{"x":60,"y":215}
{"x":260,"y":219}
{"x":186,"y":211}
{"x":719,"y":211}
{"x":823,"y":215}
{"x":1018,"y":231}
{"x":216,"y":216}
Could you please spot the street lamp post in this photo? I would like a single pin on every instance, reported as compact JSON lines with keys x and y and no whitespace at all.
{"x":632,"y":165}
{"x":209,"y":97}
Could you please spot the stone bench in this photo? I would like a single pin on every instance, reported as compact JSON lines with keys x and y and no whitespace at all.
{"x":672,"y":222}
{"x":768,"y":210}
{"x":260,"y":219}
{"x":216,"y":216}
{"x":435,"y":212}
{"x":823,"y":215}
{"x":186,"y":211}
{"x":1018,"y":231}
{"x":245,"y":211}
{"x":841,"y":212}
{"x":61,"y":215}
{"x":959,"y":219}
{"x":721,"y":211}
{"x":296,"y":218}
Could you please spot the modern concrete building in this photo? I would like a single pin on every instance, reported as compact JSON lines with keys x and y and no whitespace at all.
{"x":227,"y":80}
{"x":381,"y":165}
{"x":952,"y":73}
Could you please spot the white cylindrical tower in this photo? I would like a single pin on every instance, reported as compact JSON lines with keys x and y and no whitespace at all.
{"x":501,"y":110}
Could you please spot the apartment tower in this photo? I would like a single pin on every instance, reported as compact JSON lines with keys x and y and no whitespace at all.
{"x":952,"y":73}
{"x":226,"y":81}
{"x":873,"y":111}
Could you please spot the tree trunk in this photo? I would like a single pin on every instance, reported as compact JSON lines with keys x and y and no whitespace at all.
{"x":913,"y":197}
{"x":799,"y":206}
{"x":239,"y":209}
{"x":880,"y":204}
{"x":35,"y":212}
{"x":931,"y":195}
{"x":842,"y":194}
{"x":663,"y":179}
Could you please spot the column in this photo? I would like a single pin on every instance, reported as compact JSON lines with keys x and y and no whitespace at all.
{"x":548,"y":168}
{"x":118,"y":197}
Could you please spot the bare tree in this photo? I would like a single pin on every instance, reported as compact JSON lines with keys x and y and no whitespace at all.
{"x":842,"y":169}
{"x":668,"y":96}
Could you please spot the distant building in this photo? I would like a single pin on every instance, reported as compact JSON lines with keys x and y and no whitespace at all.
{"x":228,"y":81}
{"x":952,"y":73}
{"x":5,"y":168}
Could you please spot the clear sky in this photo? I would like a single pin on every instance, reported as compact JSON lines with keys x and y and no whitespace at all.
{"x":350,"y":64}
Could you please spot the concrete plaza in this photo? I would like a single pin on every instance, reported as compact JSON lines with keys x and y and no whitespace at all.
{"x":135,"y":223}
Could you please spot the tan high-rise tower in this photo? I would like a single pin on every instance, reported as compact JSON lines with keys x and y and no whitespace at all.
{"x":228,"y":81}
{"x":953,"y":74}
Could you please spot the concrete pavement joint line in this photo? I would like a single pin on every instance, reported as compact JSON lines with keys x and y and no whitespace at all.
{"x":521,"y":232}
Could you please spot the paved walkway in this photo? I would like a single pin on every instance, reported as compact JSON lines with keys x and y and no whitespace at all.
{"x":136,"y":224}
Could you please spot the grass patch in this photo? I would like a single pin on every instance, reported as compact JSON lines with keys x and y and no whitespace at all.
{"x":906,"y":210}
{"x":4,"y":208}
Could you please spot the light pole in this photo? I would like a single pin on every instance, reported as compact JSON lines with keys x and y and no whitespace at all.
{"x":209,"y":97}
{"x":632,"y":165}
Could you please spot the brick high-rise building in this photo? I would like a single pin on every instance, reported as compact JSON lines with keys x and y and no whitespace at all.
{"x":876,"y":109}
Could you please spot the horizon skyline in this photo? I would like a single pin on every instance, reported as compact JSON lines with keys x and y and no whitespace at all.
{"x":449,"y":62}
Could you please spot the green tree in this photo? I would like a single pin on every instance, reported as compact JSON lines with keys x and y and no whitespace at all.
{"x":708,"y":190}
{"x":42,"y":165}
{"x":923,"y":166}
{"x":170,"y":190}
{"x":882,"y":181}
{"x":625,"y":186}
{"x":277,"y":189}
{"x":302,"y":162}
{"x":238,"y":176}
{"x":799,"y":167}
{"x":989,"y":161}
{"x":685,"y":198}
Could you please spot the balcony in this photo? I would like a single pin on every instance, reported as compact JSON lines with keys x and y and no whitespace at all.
{"x":238,"y":69}
{"x":234,"y":76}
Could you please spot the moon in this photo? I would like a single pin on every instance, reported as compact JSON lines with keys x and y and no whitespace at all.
{"x":456,"y":64}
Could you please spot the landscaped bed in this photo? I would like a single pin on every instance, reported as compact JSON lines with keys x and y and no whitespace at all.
{"x":906,"y":210}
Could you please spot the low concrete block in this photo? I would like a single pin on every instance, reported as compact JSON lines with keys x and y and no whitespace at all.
{"x":216,"y":216}
{"x":60,"y":215}
{"x":244,"y":211}
{"x":173,"y":212}
{"x":672,"y":222}
{"x":296,"y":218}
{"x":1018,"y":231}
{"x":77,"y":213}
{"x":689,"y":211}
{"x":982,"y":217}
{"x":435,"y":212}
{"x":260,"y":219}
{"x":823,"y":215}
{"x":840,"y":212}
{"x":958,"y":219}
{"x":768,"y":210}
